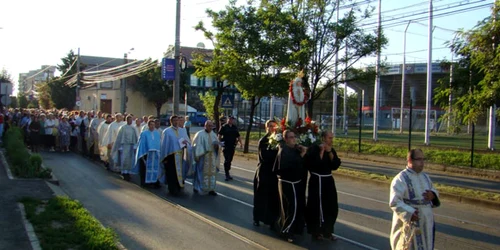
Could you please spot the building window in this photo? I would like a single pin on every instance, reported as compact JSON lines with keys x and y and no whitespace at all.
{"x":106,"y":85}
{"x":209,"y":82}
{"x":193,"y":80}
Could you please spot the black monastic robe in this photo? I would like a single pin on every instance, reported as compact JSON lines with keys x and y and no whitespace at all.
{"x":322,"y":203}
{"x":289,"y":169}
{"x":265,"y":185}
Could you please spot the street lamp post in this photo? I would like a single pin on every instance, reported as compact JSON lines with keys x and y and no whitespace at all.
{"x":177,"y":57}
{"x":403,"y":81}
{"x":123,"y":86}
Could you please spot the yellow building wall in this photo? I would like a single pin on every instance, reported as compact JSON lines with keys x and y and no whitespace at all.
{"x":137,"y":104}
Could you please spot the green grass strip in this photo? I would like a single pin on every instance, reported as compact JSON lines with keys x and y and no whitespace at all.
{"x":63,"y":223}
{"x":464,"y":192}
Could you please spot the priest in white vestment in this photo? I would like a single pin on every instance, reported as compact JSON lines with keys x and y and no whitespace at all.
{"x":93,"y":135}
{"x":101,"y":132}
{"x":412,"y":199}
{"x":123,"y":151}
{"x":188,"y":156}
{"x":206,"y":153}
{"x":110,"y":138}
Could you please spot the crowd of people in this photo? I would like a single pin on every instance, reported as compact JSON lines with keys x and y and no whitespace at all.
{"x":137,"y":145}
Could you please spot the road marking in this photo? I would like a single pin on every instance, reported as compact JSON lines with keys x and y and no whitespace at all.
{"x":386,"y":202}
{"x":214,"y":224}
{"x":342,"y":221}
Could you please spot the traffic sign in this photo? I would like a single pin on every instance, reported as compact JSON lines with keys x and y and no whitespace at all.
{"x":78,"y":103}
{"x":227,"y":101}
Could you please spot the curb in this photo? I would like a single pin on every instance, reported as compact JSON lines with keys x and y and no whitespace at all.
{"x":466,"y":200}
{"x":30,"y":231}
{"x":6,"y":164}
{"x":53,"y":179}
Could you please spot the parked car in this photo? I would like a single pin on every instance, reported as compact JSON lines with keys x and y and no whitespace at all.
{"x":198,"y":118}
{"x":164,"y":120}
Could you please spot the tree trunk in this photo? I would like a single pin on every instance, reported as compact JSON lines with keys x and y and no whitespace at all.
{"x":218,"y":98}
{"x":158,"y":109}
{"x":253,"y":105}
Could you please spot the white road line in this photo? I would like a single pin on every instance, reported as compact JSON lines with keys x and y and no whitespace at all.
{"x":214,"y":224}
{"x":341,"y":221}
{"x":386,"y":202}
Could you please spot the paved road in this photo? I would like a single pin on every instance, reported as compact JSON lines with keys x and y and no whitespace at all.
{"x":150,"y":219}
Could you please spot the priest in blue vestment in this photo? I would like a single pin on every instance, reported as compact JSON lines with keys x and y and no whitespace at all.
{"x":171,"y":155}
{"x":147,"y":158}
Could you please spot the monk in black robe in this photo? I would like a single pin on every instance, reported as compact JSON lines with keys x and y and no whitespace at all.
{"x":265,"y":182}
{"x":289,"y":169}
{"x":322,"y":204}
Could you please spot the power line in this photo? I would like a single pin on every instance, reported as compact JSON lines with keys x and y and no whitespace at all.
{"x":397,"y":22}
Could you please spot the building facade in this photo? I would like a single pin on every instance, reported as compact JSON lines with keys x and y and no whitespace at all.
{"x":28,"y":81}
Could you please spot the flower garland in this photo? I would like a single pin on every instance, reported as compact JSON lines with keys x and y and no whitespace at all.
{"x":306,"y":97}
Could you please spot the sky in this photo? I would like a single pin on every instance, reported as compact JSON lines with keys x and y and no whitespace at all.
{"x":35,"y":33}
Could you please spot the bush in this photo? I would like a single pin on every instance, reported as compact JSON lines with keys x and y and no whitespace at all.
{"x":21,"y":162}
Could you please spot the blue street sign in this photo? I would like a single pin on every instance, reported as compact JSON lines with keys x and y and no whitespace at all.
{"x":168,"y":69}
{"x":227,"y":101}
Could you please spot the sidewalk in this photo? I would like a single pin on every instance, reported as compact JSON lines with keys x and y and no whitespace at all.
{"x":12,"y":232}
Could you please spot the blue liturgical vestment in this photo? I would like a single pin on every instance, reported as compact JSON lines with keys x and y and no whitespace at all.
{"x":149,"y":145}
{"x":171,"y":148}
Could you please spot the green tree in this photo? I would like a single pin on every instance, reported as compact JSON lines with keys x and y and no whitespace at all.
{"x":5,"y":76}
{"x":151,"y":86}
{"x":208,"y":100}
{"x":62,"y":95}
{"x":43,"y":95}
{"x":318,"y":37}
{"x":250,"y":52}
{"x":476,"y":79}
{"x":22,"y":100}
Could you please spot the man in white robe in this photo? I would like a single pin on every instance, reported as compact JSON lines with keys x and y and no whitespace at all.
{"x":188,"y":156}
{"x":101,"y":132}
{"x":123,"y":151}
{"x":206,"y":153}
{"x":412,"y":199}
{"x":110,"y":138}
{"x":93,"y":135}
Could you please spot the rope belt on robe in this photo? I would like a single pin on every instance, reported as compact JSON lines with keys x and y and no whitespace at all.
{"x":321,"y":219}
{"x":295,"y":202}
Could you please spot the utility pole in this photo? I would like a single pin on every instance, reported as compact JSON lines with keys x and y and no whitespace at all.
{"x":334,"y":104}
{"x":450,"y":96}
{"x":77,"y":89}
{"x":428,"y":95}
{"x":492,"y":113}
{"x":403,"y":82}
{"x":345,"y":88}
{"x":177,"y":59}
{"x":123,"y":89}
{"x":376,"y":101}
